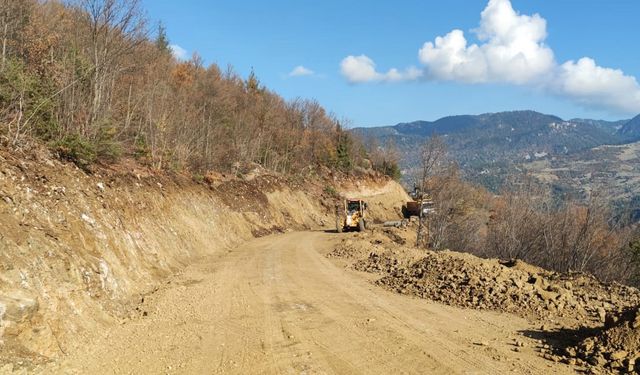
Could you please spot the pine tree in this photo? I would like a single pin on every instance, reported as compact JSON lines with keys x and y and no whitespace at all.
{"x":343,"y":149}
{"x":162,"y":41}
{"x":253,"y":84}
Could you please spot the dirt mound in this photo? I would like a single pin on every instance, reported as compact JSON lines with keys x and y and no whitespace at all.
{"x":490,"y":285}
{"x":570,"y":308}
{"x":349,"y":249}
{"x":374,"y":251}
{"x":463,"y":280}
{"x":378,"y":263}
{"x":616,"y":347}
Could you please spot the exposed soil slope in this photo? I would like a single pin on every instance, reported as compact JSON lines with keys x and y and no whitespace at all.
{"x":79,"y":251}
{"x":128,"y":271}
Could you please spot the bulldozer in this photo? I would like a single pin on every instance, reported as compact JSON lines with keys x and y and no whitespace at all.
{"x":350,"y":215}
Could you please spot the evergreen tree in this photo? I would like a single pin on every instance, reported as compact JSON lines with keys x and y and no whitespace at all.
{"x":253,"y":84}
{"x":343,"y":149}
{"x":162,"y":41}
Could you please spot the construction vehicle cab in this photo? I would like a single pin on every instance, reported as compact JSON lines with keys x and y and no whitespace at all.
{"x":421,"y":206}
{"x":351,"y":215}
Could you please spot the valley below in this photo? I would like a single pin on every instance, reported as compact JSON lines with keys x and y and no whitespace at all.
{"x":610,"y":172}
{"x":578,"y":158}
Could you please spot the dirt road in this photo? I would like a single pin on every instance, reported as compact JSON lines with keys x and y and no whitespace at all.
{"x":276,"y":305}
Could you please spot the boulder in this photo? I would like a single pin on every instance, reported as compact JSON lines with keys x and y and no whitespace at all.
{"x":17,"y":306}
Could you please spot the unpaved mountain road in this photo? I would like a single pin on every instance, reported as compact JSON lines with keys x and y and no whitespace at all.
{"x":277,"y":305}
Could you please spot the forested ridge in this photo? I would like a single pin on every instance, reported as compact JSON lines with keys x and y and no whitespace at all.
{"x":96,"y":82}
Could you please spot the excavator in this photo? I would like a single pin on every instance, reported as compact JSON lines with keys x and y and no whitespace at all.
{"x":350,"y":215}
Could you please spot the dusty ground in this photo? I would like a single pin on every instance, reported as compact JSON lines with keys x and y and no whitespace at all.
{"x":278,"y":305}
{"x":78,"y":249}
{"x":577,"y":319}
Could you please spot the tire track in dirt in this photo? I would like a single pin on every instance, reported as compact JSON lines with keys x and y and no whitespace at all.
{"x":276,"y":305}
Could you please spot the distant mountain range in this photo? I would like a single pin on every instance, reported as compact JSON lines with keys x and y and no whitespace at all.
{"x":490,"y":146}
{"x":631,"y":128}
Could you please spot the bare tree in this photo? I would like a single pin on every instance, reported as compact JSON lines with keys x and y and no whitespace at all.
{"x":433,"y":153}
{"x":89,"y":80}
{"x":14,"y":16}
{"x":457,"y":216}
{"x":115,"y":28}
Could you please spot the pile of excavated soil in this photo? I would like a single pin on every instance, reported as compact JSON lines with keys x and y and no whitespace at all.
{"x":464,"y":280}
{"x":490,"y":285}
{"x":616,"y":347}
{"x":572,"y":308}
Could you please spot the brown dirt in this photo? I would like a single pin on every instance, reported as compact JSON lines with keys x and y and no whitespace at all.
{"x":277,"y":305}
{"x":614,"y":347}
{"x":568,"y":308}
{"x":79,"y":251}
{"x":128,"y":270}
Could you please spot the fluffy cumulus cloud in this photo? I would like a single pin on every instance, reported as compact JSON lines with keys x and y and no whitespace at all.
{"x":300,"y":71}
{"x":599,"y":87}
{"x":178,"y":52}
{"x":359,"y":69}
{"x":511,"y":49}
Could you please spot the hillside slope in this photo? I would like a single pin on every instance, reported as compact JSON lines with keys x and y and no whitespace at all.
{"x":609,"y":171}
{"x":78,"y":250}
{"x":631,"y":128}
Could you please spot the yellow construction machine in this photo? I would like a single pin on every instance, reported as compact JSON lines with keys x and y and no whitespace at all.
{"x":350,"y":214}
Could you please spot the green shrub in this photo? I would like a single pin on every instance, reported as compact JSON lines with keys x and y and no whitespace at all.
{"x":141,"y":148}
{"x":108,"y":150}
{"x":77,"y":150}
{"x":23,"y":90}
{"x":197,"y":177}
{"x":392,"y":170}
{"x":107,"y":147}
{"x":330,"y":191}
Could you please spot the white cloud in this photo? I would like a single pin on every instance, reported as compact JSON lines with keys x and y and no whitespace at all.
{"x":595,"y":86}
{"x":178,"y":52}
{"x":512,"y":50}
{"x":359,"y":69}
{"x":300,"y":70}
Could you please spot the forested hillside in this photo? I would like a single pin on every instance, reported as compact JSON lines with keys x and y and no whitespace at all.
{"x":490,"y":146}
{"x":631,"y":128}
{"x":96,"y":82}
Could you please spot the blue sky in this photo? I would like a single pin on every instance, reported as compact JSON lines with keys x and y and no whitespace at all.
{"x":275,"y":37}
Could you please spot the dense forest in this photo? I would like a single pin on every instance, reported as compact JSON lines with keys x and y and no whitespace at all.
{"x":96,"y":82}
